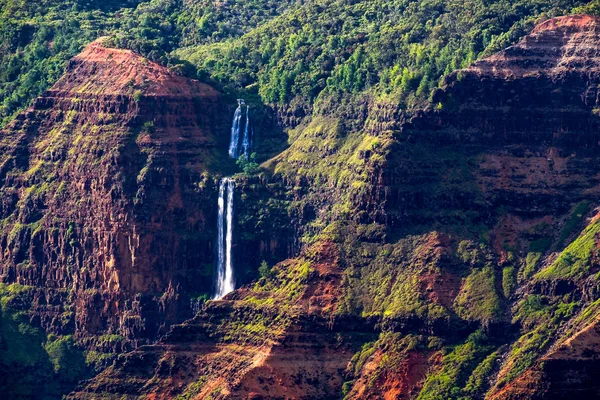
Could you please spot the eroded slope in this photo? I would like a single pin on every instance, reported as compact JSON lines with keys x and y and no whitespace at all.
{"x":446,"y":254}
{"x":87,"y":227}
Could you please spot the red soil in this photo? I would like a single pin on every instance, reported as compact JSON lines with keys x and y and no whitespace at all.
{"x":119,"y":71}
{"x":577,"y":21}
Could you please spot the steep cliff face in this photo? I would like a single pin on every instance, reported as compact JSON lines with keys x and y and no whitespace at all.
{"x":451,"y":253}
{"x":107,"y":210}
{"x":272,"y":340}
{"x":508,"y":150}
{"x":522,"y":123}
{"x":493,"y":99}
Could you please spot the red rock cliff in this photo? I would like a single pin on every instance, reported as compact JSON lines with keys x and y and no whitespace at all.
{"x":508,"y":150}
{"x":105,"y":209}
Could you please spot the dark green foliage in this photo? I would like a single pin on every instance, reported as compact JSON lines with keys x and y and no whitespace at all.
{"x":33,"y":366}
{"x":592,"y":8}
{"x":575,"y":260}
{"x":67,"y":360}
{"x":35,"y":47}
{"x":508,"y":281}
{"x":573,"y":220}
{"x":148,"y":127}
{"x":473,"y":254}
{"x":479,"y":380}
{"x":249,"y":166}
{"x":383,"y":280}
{"x":262,"y":218}
{"x":137,"y":95}
{"x":459,"y":374}
{"x":206,"y":21}
{"x":290,"y":49}
{"x":321,"y":54}
{"x":38,"y":38}
{"x":540,"y":317}
{"x":478,"y":299}
{"x":398,"y":47}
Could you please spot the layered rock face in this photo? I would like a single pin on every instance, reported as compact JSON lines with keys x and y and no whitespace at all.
{"x":509,"y":149}
{"x":539,"y":91}
{"x":107,"y":211}
{"x":448,"y":254}
{"x":518,"y":129}
{"x":273,"y":340}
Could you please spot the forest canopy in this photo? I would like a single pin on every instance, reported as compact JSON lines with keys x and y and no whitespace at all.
{"x":284,"y":50}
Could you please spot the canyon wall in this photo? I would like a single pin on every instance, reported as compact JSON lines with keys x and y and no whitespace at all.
{"x":108,"y":210}
{"x":442,"y":253}
{"x":446,"y":253}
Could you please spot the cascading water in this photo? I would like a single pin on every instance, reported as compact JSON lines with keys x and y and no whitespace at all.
{"x":247,"y":142}
{"x":234,"y":143}
{"x":225,"y":278}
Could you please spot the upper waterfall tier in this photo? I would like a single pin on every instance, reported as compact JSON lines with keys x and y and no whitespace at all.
{"x":238,"y":126}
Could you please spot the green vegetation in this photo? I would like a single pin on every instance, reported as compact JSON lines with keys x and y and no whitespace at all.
{"x":206,"y":21}
{"x":335,"y":47}
{"x":248,"y":165}
{"x":264,"y":270}
{"x":323,"y":63}
{"x":387,"y":280}
{"x":592,"y":8}
{"x":67,"y":359}
{"x":33,"y":365}
{"x":574,"y":219}
{"x":270,"y":307}
{"x":193,"y":389}
{"x":387,"y":354}
{"x":478,"y":299}
{"x":508,"y":281}
{"x":530,"y":265}
{"x":540,"y":317}
{"x":38,"y":39}
{"x":148,"y":127}
{"x":478,"y":381}
{"x":360,"y":358}
{"x":137,"y":95}
{"x":587,"y":315}
{"x":463,"y":368}
{"x":575,"y":260}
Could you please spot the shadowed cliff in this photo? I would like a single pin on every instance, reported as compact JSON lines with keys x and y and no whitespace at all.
{"x":449,"y":253}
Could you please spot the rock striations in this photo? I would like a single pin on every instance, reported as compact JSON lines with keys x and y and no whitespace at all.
{"x":399,"y":301}
{"x":106,"y":209}
{"x":449,"y":253}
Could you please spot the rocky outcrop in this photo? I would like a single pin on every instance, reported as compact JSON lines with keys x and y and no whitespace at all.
{"x":510,"y":144}
{"x":517,"y":130}
{"x":493,"y":101}
{"x":107,"y":209}
{"x":434,"y":259}
{"x":429,"y":233}
{"x":274,"y":340}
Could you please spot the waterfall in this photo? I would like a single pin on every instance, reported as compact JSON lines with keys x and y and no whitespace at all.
{"x":247,"y":142}
{"x":236,"y":125}
{"x":234,"y":143}
{"x":225,"y":279}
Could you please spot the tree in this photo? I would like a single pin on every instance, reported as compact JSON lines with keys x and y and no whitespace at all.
{"x":264,"y":270}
